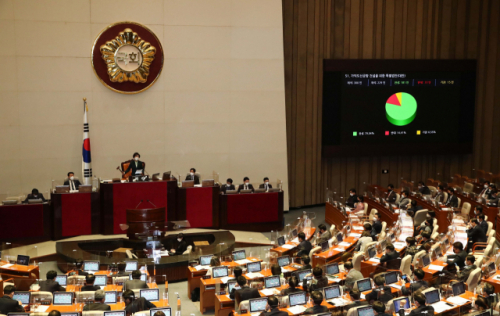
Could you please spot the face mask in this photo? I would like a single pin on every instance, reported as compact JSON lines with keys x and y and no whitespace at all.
{"x":228,"y":184}
{"x":136,"y":158}
{"x":267,"y":182}
{"x":179,"y":239}
{"x":352,"y":194}
{"x":72,"y":178}
{"x":246,"y":183}
{"x":420,"y":187}
{"x":192,"y":173}
{"x":486,"y":186}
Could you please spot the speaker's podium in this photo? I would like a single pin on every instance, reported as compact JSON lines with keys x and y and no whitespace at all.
{"x":145,"y":222}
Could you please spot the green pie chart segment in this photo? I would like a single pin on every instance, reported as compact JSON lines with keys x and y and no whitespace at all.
{"x":401,"y":108}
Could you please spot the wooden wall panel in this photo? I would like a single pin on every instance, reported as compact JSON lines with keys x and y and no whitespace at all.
{"x":409,"y":29}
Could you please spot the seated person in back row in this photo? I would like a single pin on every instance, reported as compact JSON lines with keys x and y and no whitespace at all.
{"x":51,"y":285}
{"x":7,"y":303}
{"x":390,"y":254}
{"x":244,"y":292}
{"x":193,"y":176}
{"x":228,"y":186}
{"x":391,"y":195}
{"x":355,"y":296}
{"x":246,"y":185}
{"x":381,"y":292}
{"x":323,"y":234}
{"x":134,"y":305}
{"x":73,"y":183}
{"x":272,"y":307}
{"x":423,"y":189}
{"x":293,"y":282}
{"x":304,"y":246}
{"x":121,"y":270}
{"x":89,"y":284}
{"x":306,"y":262}
{"x":379,"y":309}
{"x":181,"y":245}
{"x":266,"y":185}
{"x":35,"y":195}
{"x":136,"y":282}
{"x":352,"y":199}
{"x":98,"y":304}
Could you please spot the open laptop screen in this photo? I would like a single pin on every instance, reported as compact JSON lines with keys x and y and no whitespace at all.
{"x":131,"y":265}
{"x":365,"y":311}
{"x":166,"y":310}
{"x":205,"y":260}
{"x":91,"y":265}
{"x":432,"y":297}
{"x":111,"y":297}
{"x":297,"y":298}
{"x":458,"y":288}
{"x":364,"y":284}
{"x":332,"y":268}
{"x":391,"y":277}
{"x":63,"y":298}
{"x":281,"y":240}
{"x":24,"y":297}
{"x":219,"y":272}
{"x":258,"y":305}
{"x":62,"y":279}
{"x":239,"y":255}
{"x":332,"y":292}
{"x":273,"y":281}
{"x":101,"y":280}
{"x":152,"y":295}
{"x":254,"y":267}
{"x":283,"y":261}
{"x":397,"y":303}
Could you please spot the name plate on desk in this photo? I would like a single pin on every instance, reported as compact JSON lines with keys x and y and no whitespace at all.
{"x":222,"y":293}
{"x":206,"y":277}
{"x":243,"y":311}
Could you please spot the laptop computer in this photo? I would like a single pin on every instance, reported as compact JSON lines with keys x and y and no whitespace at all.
{"x":90,"y":265}
{"x":397,"y":303}
{"x":70,"y":314}
{"x":383,"y":245}
{"x":115,"y":313}
{"x":391,"y":277}
{"x":281,"y":241}
{"x":230,"y":286}
{"x":239,"y":255}
{"x":432,"y":297}
{"x":283,"y":261}
{"x":205,"y":260}
{"x":62,"y":279}
{"x":295,"y":233}
{"x":458,"y":288}
{"x":332,"y":292}
{"x":166,"y":310}
{"x":152,"y":295}
{"x":364,"y":284}
{"x":219,"y":272}
{"x":254,"y":267}
{"x":325,"y":246}
{"x":101,"y":280}
{"x":23,"y":260}
{"x":339,"y":237}
{"x":131,"y":265}
{"x":272,"y":282}
{"x":332,"y":268}
{"x":372,"y":252}
{"x":302,"y":274}
{"x":365,"y":311}
{"x":143,"y":277}
{"x":491,"y":269}
{"x":257,"y":304}
{"x":23,"y":296}
{"x":297,"y":299}
{"x":426,"y":260}
{"x":63,"y":298}
{"x":111,"y":297}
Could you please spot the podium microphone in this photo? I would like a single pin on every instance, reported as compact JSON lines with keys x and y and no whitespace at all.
{"x":151,"y":203}
{"x":139,"y":203}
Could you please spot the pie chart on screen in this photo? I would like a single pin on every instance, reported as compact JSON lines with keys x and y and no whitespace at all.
{"x":401,"y":108}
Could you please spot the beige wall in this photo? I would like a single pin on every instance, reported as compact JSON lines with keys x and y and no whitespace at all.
{"x":218,"y":105}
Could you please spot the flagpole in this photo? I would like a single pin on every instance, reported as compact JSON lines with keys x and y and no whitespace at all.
{"x":86,"y":157}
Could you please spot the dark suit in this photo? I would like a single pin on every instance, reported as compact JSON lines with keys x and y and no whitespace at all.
{"x":422,"y":246}
{"x":291,"y":291}
{"x":304,"y":248}
{"x":321,"y":283}
{"x":419,"y":311}
{"x":135,"y":285}
{"x":484,"y":226}
{"x":32,"y":197}
{"x":242,"y":187}
{"x":263,"y":186}
{"x":316,"y":309}
{"x":245,"y":293}
{"x":81,"y":272}
{"x":355,"y":304}
{"x":452,"y":201}
{"x":8,"y":305}
{"x":493,"y":201}
{"x":376,"y":228}
{"x":90,"y":288}
{"x":376,"y":295}
{"x":351,"y":200}
{"x":391,"y":197}
{"x":122,"y":274}
{"x":181,"y":247}
{"x":275,"y":312}
{"x":196,"y":178}
{"x":475,"y":235}
{"x":97,"y":307}
{"x":132,"y":166}
{"x":389,"y":257}
{"x":425,"y":190}
{"x":463,"y":275}
{"x":138,"y":305}
{"x":75,"y":182}
{"x":439,"y":197}
{"x":51,"y":286}
{"x":226,"y":187}
{"x":305,"y":267}
{"x":459,"y":259}
{"x":414,"y":287}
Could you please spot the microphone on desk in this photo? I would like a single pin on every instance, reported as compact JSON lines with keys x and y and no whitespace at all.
{"x":151,"y":203}
{"x":139,"y":203}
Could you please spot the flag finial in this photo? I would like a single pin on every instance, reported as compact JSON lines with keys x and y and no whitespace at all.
{"x":84,"y":99}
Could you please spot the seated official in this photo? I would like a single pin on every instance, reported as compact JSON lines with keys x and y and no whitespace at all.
{"x":404,"y":201}
{"x":464,"y":273}
{"x":318,"y":282}
{"x":367,"y":227}
{"x":134,"y":305}
{"x":391,"y":195}
{"x":193,"y":176}
{"x":429,"y":216}
{"x":89,"y":284}
{"x":419,"y":299}
{"x":492,"y":190}
{"x":490,"y":295}
{"x":359,"y":209}
{"x":355,"y":296}
{"x":381,"y":292}
{"x":440,"y":194}
{"x":228,"y":186}
{"x":317,"y":308}
{"x":7,"y":303}
{"x":426,"y":240}
{"x":266,"y":185}
{"x":304,"y":245}
{"x":485,"y":192}
{"x":136,"y":282}
{"x":237,"y":271}
{"x":73,"y":183}
{"x":475,"y":233}
{"x":379,"y":309}
{"x":418,"y":276}
{"x":478,"y":210}
{"x":482,"y":223}
{"x":51,"y":285}
{"x":459,"y":257}
{"x":293,"y":282}
{"x":426,"y":226}
{"x":352,"y":275}
{"x":411,"y":248}
{"x":181,"y":246}
{"x":244,"y":292}
{"x":306,"y":262}
{"x":364,"y":240}
{"x":452,"y":199}
{"x":352,"y":199}
{"x":121,"y":270}
{"x":390,"y":254}
{"x":214,"y":262}
{"x":376,"y":226}
{"x":135,"y":165}
{"x":272,"y":308}
{"x":98,"y":304}
{"x":79,"y":267}
{"x":414,"y":208}
{"x":35,"y":195}
{"x":246,"y":185}
{"x":493,"y":201}
{"x":423,"y":189}
{"x":323,"y":234}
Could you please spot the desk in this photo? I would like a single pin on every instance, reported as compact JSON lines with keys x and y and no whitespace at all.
{"x":25,"y":221}
{"x":18,"y":271}
{"x":223,"y":305}
{"x":309,"y":232}
{"x":76,"y":214}
{"x":259,"y":212}
{"x":114,"y":307}
{"x":200,"y":206}
{"x":117,"y":197}
{"x":495,"y":281}
{"x":330,"y":307}
{"x":385,"y":215}
{"x":334,"y":216}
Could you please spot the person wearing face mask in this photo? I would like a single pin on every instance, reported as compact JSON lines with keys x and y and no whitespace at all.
{"x":376,"y":226}
{"x":246,"y":185}
{"x":352,"y":199}
{"x":486,"y":190}
{"x":439,"y":196}
{"x":493,"y":200}
{"x":181,"y":245}
{"x":72,"y":182}
{"x":452,"y":199}
{"x":475,"y":233}
{"x":464,"y":273}
{"x":228,"y":186}
{"x":136,"y":166}
{"x":266,"y":185}
{"x":423,"y":189}
{"x":35,"y":195}
{"x":193,"y":176}
{"x":478,"y":211}
{"x":411,"y":248}
{"x":404,"y":200}
{"x":482,"y":223}
{"x":391,"y":195}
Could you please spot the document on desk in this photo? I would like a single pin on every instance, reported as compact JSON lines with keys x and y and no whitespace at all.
{"x":296,"y":240}
{"x":298,"y":309}
{"x":435,"y":267}
{"x":8,"y":265}
{"x":440,"y":307}
{"x":288,"y":246}
{"x":269,"y":292}
{"x":399,"y":244}
{"x":344,"y":244}
{"x":355,"y":235}
{"x":339,"y":302}
{"x":457,"y":300}
{"x":377,"y":260}
{"x":224,"y":279}
{"x":358,"y":228}
{"x":242,"y":261}
{"x":253,"y":275}
{"x":396,"y":286}
{"x":458,"y":221}
{"x":339,"y":249}
{"x":198,"y":268}
{"x":41,"y":309}
{"x":461,"y":228}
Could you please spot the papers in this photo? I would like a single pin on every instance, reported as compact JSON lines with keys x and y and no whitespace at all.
{"x":339,"y":249}
{"x":362,"y":296}
{"x":41,"y":309}
{"x":355,"y":235}
{"x":269,"y":292}
{"x":7,"y":265}
{"x":339,"y":301}
{"x":242,"y":261}
{"x":459,"y":235}
{"x":198,"y":267}
{"x":253,"y":275}
{"x":227,"y":295}
{"x":335,"y":280}
{"x":377,"y":260}
{"x":287,"y":268}
{"x":296,"y":239}
{"x":344,"y":244}
{"x":224,"y":279}
{"x":396,"y":286}
{"x":288,"y":246}
{"x":461,"y":228}
{"x":435,"y":267}
{"x":446,"y":209}
{"x":297,"y":309}
{"x":358,"y":228}
{"x":457,"y":300}
{"x":399,"y":244}
{"x":440,"y":307}
{"x":458,"y":221}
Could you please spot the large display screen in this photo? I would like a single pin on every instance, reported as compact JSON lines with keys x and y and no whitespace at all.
{"x":398,"y":106}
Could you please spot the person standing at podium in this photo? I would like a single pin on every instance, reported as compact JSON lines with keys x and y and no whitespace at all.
{"x":135,"y":165}
{"x":193,"y":176}
{"x":72,"y":182}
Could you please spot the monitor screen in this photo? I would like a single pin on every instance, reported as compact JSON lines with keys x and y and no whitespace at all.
{"x":339,"y":237}
{"x":70,"y":314}
{"x":151,"y":295}
{"x":24,"y":297}
{"x":412,"y":105}
{"x":297,"y":298}
{"x":397,"y":303}
{"x":273,"y":281}
{"x":364,"y":284}
{"x":219,"y":272}
{"x":492,"y":268}
{"x":332,"y":292}
{"x":166,"y":310}
{"x":63,"y":298}
{"x":283,"y":261}
{"x":458,"y":288}
{"x":372,"y":252}
{"x":115,"y":313}
{"x":62,"y":279}
{"x":432,"y":297}
{"x":302,"y":274}
{"x":325,"y":246}
{"x":101,"y":280}
{"x":91,"y":265}
{"x":332,"y":268}
{"x":391,"y":277}
{"x":281,"y":240}
{"x":23,"y":260}
{"x":426,"y":260}
{"x":239,"y":255}
{"x":131,"y":266}
{"x":205,"y":260}
{"x":365,"y":311}
{"x":110,"y":297}
{"x":258,"y":304}
{"x":295,"y":233}
{"x":253,"y":267}
{"x":230,"y":286}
